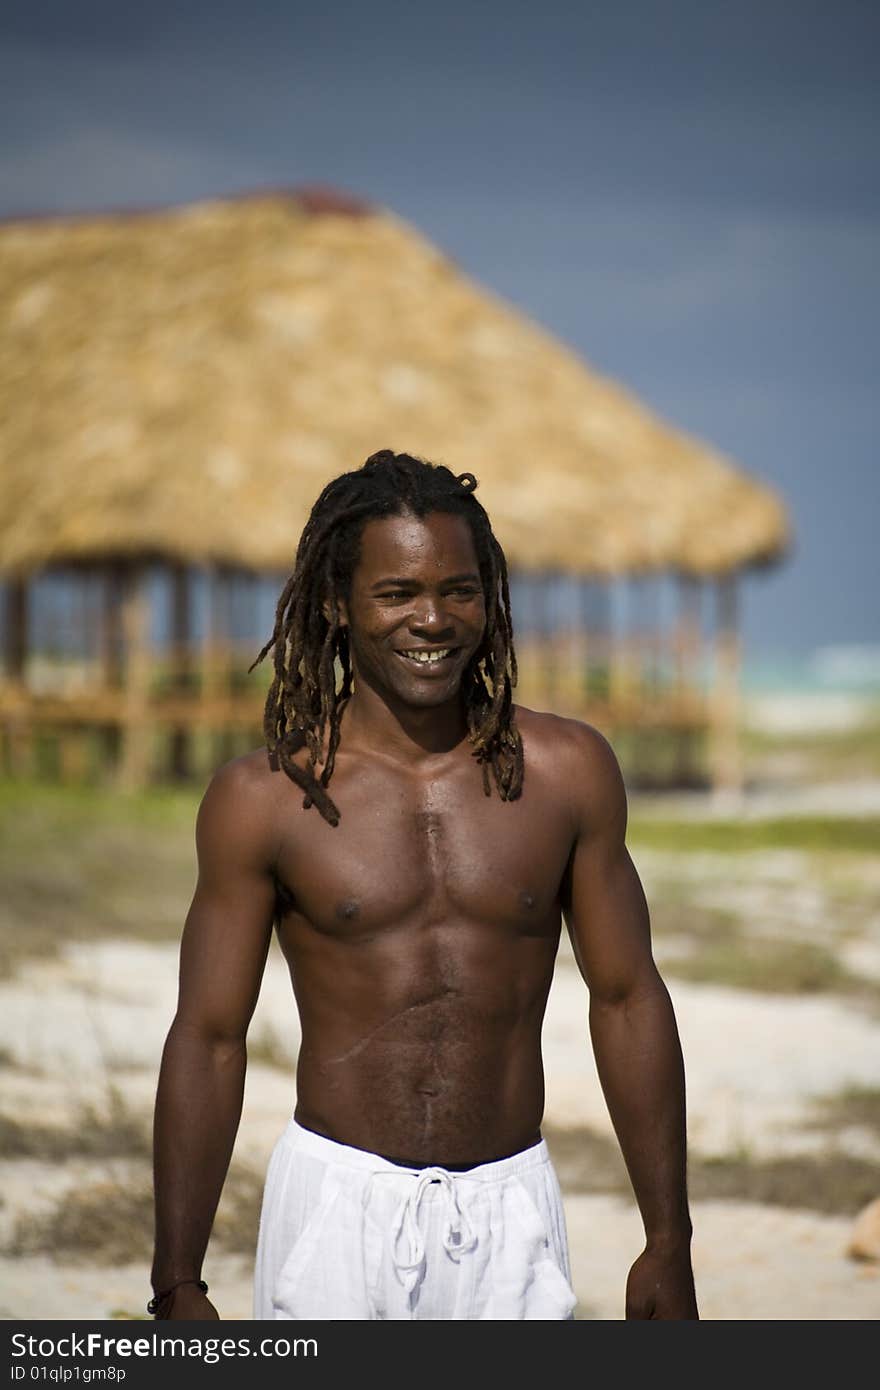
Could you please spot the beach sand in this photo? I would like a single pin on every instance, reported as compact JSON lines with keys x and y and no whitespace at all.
{"x":97,"y":1016}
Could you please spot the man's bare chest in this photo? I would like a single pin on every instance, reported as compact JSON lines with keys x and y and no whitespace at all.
{"x":429,"y":853}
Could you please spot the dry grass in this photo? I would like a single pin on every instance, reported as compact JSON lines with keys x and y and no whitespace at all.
{"x":856,"y":1105}
{"x":110,"y":1222}
{"x":116,"y":1132}
{"x":270,"y":1049}
{"x":111,"y":1219}
{"x":586,"y":1161}
{"x":833,"y":1183}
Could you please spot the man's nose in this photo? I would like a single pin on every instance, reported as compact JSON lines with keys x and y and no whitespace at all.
{"x":430,"y":616}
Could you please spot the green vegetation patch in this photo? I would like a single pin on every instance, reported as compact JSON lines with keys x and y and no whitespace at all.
{"x":766,"y":965}
{"x":79,"y":864}
{"x":68,"y":806}
{"x":723,"y":949}
{"x":854,"y":834}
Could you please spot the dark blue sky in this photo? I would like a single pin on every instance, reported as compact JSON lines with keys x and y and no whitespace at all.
{"x":686,"y":193}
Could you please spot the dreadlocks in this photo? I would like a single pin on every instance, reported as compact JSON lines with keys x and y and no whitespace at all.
{"x":304,"y":705}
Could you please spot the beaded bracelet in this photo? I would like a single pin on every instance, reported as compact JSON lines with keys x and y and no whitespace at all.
{"x":159,"y":1298}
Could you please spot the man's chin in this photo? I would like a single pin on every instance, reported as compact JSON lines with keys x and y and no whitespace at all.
{"x":426,"y":696}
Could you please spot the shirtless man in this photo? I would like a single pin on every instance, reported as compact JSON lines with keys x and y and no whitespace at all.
{"x":416,"y":840}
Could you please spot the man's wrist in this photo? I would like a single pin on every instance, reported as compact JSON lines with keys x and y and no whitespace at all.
{"x":162,"y":1296}
{"x":670,"y":1242}
{"x":163,"y":1276}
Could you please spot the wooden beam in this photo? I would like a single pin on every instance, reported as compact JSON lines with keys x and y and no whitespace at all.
{"x":180,"y":743}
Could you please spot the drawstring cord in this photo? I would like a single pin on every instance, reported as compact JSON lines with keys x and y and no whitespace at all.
{"x":407,"y":1245}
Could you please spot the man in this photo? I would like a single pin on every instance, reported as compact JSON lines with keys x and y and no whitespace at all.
{"x":416,"y":839}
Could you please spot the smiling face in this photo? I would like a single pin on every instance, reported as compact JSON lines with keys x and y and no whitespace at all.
{"x":416,"y":612}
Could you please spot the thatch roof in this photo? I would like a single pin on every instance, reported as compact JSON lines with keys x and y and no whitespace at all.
{"x":184,"y":382}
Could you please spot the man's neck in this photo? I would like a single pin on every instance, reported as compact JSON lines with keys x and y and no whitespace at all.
{"x":408,"y":735}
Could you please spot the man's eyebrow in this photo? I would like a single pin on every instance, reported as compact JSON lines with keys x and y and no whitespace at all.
{"x":392,"y":582}
{"x":397,"y":582}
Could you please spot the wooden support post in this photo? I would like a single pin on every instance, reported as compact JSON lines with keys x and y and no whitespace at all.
{"x":19,"y":745}
{"x":618,"y":669}
{"x":687,"y":658}
{"x":207,"y":659}
{"x":73,"y":754}
{"x":726,"y":759}
{"x":219,"y":638}
{"x":111,"y":650}
{"x":134,"y":764}
{"x":180,"y":745}
{"x":549,"y":669}
{"x":112,"y":637}
{"x":596,"y":653}
{"x":687,"y":635}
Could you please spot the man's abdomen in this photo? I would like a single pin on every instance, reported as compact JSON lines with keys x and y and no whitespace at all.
{"x":447,"y":1079}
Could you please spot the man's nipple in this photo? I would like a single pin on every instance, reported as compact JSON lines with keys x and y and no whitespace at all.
{"x":347,"y":909}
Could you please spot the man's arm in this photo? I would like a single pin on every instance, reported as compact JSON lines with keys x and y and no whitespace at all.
{"x":633,"y":1028}
{"x":201,"y":1083}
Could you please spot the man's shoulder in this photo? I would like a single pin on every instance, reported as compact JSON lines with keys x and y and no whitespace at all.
{"x":250,"y":774}
{"x":243,"y":791}
{"x":559,"y":736}
{"x":572,"y":752}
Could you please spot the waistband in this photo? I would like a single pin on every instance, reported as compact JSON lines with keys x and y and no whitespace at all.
{"x":318,"y":1146}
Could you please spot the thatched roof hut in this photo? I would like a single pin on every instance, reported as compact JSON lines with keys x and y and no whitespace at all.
{"x":181,"y":384}
{"x":177,"y":386}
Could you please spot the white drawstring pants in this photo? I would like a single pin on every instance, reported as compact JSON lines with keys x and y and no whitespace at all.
{"x":345,"y":1234}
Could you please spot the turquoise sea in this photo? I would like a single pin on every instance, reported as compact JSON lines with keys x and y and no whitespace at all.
{"x":846,"y":669}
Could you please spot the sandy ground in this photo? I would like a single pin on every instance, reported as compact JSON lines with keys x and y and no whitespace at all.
{"x":755,"y":1065}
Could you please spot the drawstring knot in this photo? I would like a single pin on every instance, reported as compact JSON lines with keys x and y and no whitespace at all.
{"x":407,"y":1245}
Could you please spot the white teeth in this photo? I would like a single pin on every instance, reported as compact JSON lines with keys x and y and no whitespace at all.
{"x":426,"y":657}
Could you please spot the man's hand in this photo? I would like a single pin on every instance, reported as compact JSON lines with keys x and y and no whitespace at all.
{"x":187,"y":1304}
{"x":661,"y":1285}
